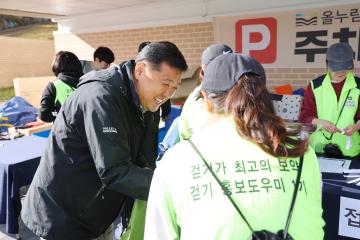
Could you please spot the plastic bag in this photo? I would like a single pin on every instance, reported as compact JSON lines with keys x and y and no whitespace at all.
{"x":17,"y":112}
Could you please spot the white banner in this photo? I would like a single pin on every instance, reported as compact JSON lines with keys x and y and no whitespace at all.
{"x":292,"y":38}
{"x":349,"y":217}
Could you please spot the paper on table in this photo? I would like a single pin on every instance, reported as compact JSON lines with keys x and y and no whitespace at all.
{"x":354,"y":170}
{"x":161,"y":124}
{"x":354,"y":180}
{"x":333,"y":165}
{"x":352,"y":176}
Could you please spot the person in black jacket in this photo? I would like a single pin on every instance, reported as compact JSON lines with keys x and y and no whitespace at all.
{"x":67,"y":69}
{"x":103,"y":58}
{"x":152,"y":120}
{"x":93,"y":162}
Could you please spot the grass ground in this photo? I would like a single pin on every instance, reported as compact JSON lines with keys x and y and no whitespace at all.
{"x":6,"y":93}
{"x":36,"y":31}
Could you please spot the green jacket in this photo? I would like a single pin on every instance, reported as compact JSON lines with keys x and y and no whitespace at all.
{"x":186,"y":202}
{"x":328,"y":108}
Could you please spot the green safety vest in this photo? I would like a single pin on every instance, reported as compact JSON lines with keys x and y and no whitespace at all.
{"x":63,"y":91}
{"x":328,"y":108}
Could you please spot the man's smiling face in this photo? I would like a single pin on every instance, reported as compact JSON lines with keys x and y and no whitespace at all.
{"x":155,"y":86}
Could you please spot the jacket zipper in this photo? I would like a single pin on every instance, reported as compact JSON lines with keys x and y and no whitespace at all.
{"x":93,"y":200}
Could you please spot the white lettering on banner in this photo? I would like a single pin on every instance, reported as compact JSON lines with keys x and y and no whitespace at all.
{"x":261,"y":45}
{"x":349,"y":217}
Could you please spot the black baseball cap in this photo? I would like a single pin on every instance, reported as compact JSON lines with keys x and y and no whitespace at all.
{"x":340,"y":57}
{"x":213,"y":51}
{"x":225,"y":70}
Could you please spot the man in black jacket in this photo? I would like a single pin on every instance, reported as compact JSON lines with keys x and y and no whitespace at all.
{"x":93,"y":161}
{"x":103,"y":58}
{"x":152,"y":120}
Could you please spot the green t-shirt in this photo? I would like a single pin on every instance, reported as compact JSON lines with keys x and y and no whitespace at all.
{"x":193,"y":115}
{"x":186,"y":202}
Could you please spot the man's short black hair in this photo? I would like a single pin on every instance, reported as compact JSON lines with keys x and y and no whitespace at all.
{"x":142,"y":45}
{"x":104,"y":54}
{"x":158,"y":52}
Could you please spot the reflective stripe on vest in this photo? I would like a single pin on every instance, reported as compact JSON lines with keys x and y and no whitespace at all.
{"x":63,"y":91}
{"x":328,"y":108}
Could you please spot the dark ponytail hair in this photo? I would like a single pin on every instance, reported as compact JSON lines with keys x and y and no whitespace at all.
{"x":250,"y":103}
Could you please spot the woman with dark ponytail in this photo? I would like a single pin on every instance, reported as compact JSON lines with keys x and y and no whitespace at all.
{"x":237,"y":177}
{"x":249,"y":102}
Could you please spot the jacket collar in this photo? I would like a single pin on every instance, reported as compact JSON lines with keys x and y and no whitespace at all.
{"x":348,"y":84}
{"x":121,"y":77}
{"x":129,"y":69}
{"x":70,"y":78}
{"x":126,"y":70}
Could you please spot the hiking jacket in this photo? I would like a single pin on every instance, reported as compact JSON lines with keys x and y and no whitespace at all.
{"x":93,"y":161}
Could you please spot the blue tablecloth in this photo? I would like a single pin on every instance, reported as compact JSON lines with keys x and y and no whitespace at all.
{"x":18,"y":162}
{"x":335,"y":186}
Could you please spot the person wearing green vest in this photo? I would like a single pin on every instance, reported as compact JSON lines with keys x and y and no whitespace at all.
{"x":331,"y":102}
{"x":68,"y":70}
{"x":254,"y":158}
{"x":193,"y":114}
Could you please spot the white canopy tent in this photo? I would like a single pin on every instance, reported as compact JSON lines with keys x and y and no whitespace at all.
{"x":83,"y":16}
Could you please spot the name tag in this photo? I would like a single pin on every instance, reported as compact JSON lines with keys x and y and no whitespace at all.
{"x":349,"y":103}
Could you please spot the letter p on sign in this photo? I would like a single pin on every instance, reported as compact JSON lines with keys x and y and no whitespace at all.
{"x":257,"y":38}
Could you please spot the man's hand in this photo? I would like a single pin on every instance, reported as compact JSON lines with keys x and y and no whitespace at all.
{"x":327,"y":125}
{"x":349,"y":130}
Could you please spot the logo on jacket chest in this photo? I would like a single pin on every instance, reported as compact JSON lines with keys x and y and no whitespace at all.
{"x":109,"y":130}
{"x":349,"y":102}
